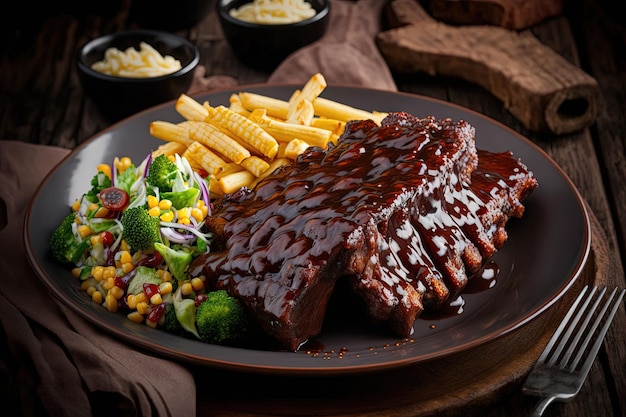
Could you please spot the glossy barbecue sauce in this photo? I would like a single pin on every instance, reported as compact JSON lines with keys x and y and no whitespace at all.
{"x":405,"y":211}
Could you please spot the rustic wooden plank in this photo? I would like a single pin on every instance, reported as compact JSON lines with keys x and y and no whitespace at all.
{"x":509,"y":14}
{"x":543,"y":90}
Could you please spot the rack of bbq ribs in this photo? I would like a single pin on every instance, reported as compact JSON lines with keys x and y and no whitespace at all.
{"x":403,"y":212}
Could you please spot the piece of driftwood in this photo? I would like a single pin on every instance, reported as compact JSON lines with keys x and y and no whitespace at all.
{"x":542,"y":89}
{"x":510,"y":14}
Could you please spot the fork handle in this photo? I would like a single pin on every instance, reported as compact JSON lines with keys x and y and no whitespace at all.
{"x":542,"y":405}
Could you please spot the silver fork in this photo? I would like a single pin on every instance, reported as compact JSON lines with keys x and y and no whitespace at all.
{"x":558,"y":375}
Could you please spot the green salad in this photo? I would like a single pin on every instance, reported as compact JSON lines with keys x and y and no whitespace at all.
{"x":130,"y":239}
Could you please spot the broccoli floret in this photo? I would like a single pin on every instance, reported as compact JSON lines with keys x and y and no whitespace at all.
{"x":176,"y":260}
{"x":65,"y":247}
{"x":171,"y":323}
{"x":221,"y":318}
{"x":162,"y":173}
{"x":140,"y":229}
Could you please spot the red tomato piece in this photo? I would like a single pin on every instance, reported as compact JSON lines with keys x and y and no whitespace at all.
{"x":114,"y":198}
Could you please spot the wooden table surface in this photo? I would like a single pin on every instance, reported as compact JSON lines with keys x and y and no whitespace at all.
{"x":42,"y":102}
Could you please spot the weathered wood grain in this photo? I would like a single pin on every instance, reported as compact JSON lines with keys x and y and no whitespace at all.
{"x":509,"y":14}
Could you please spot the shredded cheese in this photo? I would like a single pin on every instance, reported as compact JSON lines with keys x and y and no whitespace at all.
{"x":132,"y":63}
{"x":274,"y":11}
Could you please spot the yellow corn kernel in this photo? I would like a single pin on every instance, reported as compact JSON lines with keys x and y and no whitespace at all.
{"x":75,"y":272}
{"x":116,"y":292}
{"x":152,"y":201}
{"x":107,"y":283}
{"x":156,"y":299}
{"x":109,"y":272}
{"x":76,"y":205}
{"x":93,"y":207}
{"x":184,"y":212}
{"x":110,"y":303}
{"x":102,"y":213}
{"x":90,"y":290}
{"x":154,"y":211}
{"x":85,"y":285}
{"x":197,"y":284}
{"x":122,"y":163}
{"x":165,"y":204}
{"x":97,"y":272}
{"x":167,"y":216}
{"x":127,"y":267}
{"x":186,"y":288}
{"x":184,"y":220}
{"x":143,"y":307}
{"x":197,"y":214}
{"x":96,"y":297}
{"x":151,"y":323}
{"x":131,"y":301}
{"x":165,"y":287}
{"x":141,"y":298}
{"x":106,"y":168}
{"x":95,"y":239}
{"x":84,"y":230}
{"x":165,"y":275}
{"x":125,"y":256}
{"x":135,"y":317}
{"x":124,"y":245}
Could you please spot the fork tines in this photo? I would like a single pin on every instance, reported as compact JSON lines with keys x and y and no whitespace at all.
{"x":577,"y":330}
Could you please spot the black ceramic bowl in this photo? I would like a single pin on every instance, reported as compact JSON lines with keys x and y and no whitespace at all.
{"x":119,"y":97}
{"x":265,"y":46}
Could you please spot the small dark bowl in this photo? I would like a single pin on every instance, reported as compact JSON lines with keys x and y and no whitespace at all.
{"x":265,"y":46}
{"x":119,"y":97}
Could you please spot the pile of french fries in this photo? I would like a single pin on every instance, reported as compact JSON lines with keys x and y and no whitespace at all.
{"x":242,"y":143}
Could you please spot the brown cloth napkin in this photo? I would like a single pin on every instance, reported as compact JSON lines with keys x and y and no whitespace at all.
{"x":346,"y":54}
{"x":53,"y":362}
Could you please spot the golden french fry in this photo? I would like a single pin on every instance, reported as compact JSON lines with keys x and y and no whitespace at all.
{"x":285,"y":132}
{"x":232,"y":182}
{"x":339,"y":111}
{"x":300,"y":108}
{"x":294,"y":148}
{"x":212,"y":163}
{"x":190,"y":109}
{"x":301,"y":112}
{"x":335,"y":126}
{"x":237,"y":106}
{"x":213,"y":138}
{"x":274,"y":165}
{"x":245,"y":129}
{"x":255,"y":165}
{"x":170,"y":148}
{"x":274,"y":107}
{"x":170,"y":132}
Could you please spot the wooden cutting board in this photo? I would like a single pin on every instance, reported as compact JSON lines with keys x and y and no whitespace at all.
{"x":458,"y":385}
{"x":546,"y":92}
{"x":510,"y":14}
